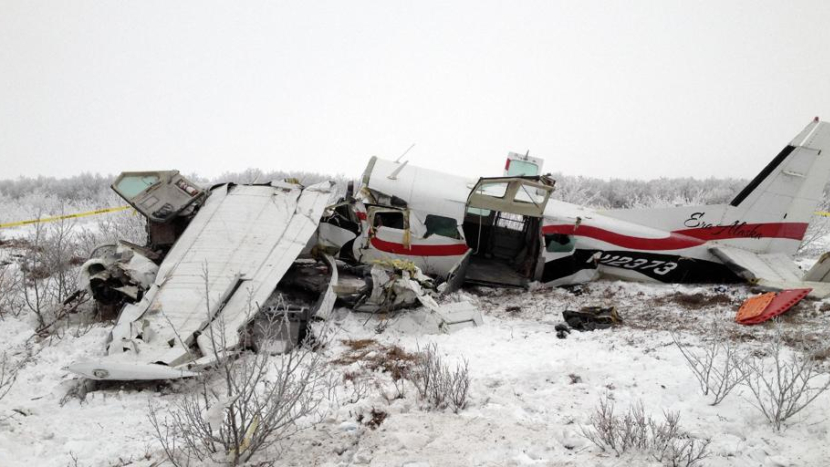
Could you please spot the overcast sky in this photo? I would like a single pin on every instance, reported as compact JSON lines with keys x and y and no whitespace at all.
{"x":608,"y":89}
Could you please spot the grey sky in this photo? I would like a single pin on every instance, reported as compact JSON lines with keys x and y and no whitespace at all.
{"x":608,"y":89}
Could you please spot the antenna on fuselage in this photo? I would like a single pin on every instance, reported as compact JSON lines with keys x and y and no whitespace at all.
{"x":394,"y":174}
{"x":404,"y":153}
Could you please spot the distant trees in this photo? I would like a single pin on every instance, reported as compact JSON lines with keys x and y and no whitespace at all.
{"x":93,"y":190}
{"x":662,"y":192}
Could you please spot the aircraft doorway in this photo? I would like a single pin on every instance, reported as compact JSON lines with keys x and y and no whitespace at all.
{"x":502,"y":227}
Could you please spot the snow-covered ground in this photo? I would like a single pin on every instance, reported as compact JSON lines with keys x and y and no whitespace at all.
{"x":530,"y":391}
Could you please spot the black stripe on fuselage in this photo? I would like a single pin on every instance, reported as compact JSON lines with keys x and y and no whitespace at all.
{"x":662,"y":268}
{"x":762,"y":176}
{"x":561,"y":267}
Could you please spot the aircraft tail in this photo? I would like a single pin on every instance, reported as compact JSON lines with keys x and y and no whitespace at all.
{"x":789,"y":188}
{"x":771,"y":214}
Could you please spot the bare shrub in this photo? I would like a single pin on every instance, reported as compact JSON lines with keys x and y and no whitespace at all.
{"x":817,"y":230}
{"x":375,"y":356}
{"x":249,"y":405}
{"x":372,"y":356}
{"x":38,"y":286}
{"x":126,"y":225}
{"x":10,"y":300}
{"x":782,"y":381}
{"x":48,"y":284}
{"x":356,"y":386}
{"x":664,"y":441}
{"x":8,"y":375}
{"x":436,"y":384}
{"x":244,"y":406}
{"x":716,"y":366}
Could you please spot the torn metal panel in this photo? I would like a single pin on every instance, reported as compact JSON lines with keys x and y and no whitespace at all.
{"x":452,"y":316}
{"x":117,"y":274}
{"x":235,"y":250}
{"x":397,"y":284}
{"x":459,"y":315}
{"x":123,"y":371}
{"x":455,"y":279}
{"x":325,"y":306}
{"x":390,"y":289}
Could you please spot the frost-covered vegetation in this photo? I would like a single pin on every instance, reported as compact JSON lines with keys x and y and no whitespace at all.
{"x":24,"y":196}
{"x":27,"y":198}
{"x":622,"y":193}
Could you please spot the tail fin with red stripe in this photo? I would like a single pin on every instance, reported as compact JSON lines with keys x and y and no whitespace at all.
{"x":771,"y":214}
{"x":791,"y":186}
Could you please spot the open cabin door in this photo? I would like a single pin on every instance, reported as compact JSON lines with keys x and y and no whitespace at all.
{"x":526,"y":196}
{"x":502,"y":226}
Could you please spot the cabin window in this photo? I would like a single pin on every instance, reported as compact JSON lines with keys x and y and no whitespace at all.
{"x":520,"y":168}
{"x":440,"y":225}
{"x":390,"y":219}
{"x":529,"y":195}
{"x":494,"y":189}
{"x":478,"y":212}
{"x":559,"y":243}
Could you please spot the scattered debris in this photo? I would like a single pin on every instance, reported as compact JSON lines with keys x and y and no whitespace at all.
{"x":590,"y":318}
{"x":179,"y":325}
{"x":118,"y":274}
{"x":756,"y":310}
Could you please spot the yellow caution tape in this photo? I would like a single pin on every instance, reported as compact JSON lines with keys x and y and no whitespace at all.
{"x":822,"y":213}
{"x":68,"y":216}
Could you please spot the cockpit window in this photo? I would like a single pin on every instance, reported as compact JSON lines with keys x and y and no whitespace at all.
{"x":131,"y":185}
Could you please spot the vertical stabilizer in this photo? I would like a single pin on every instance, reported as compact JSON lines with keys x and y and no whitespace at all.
{"x":790,"y":187}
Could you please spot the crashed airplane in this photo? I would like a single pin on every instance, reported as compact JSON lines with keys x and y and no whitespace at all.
{"x":217,"y":258}
{"x":506,"y":231}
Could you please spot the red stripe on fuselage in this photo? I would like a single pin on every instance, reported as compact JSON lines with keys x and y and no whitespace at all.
{"x":685,"y":238}
{"x":455,"y":249}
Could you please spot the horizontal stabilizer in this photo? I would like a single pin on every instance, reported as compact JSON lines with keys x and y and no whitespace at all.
{"x":821,"y":290}
{"x":754,"y":266}
{"x":773,"y":271}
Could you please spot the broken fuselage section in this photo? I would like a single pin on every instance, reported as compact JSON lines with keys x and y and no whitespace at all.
{"x":492,"y":236}
{"x":224,"y":254}
{"x":233,"y":267}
